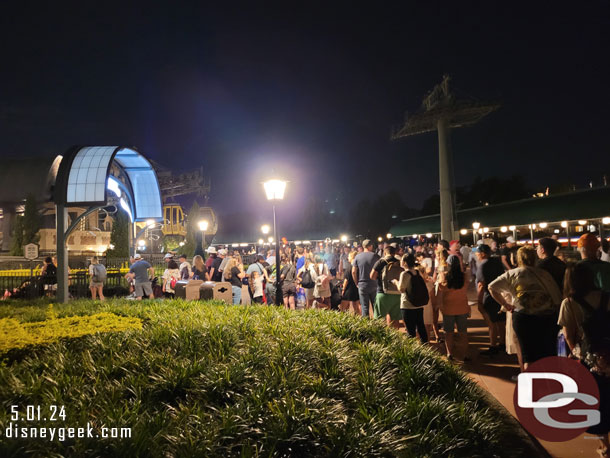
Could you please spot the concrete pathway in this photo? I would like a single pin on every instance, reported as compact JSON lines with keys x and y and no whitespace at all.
{"x":494,"y":375}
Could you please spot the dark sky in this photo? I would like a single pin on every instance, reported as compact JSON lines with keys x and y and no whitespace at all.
{"x":312,"y":90}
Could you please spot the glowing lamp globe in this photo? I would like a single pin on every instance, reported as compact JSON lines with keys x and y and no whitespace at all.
{"x":275,"y":189}
{"x":203,"y":225}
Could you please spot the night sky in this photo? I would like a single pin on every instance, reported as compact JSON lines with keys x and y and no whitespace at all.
{"x":312,"y":91}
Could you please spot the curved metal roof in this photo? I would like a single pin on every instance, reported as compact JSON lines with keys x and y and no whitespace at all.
{"x":84,"y":174}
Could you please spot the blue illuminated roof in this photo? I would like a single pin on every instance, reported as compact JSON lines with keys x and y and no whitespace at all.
{"x":89,"y":171}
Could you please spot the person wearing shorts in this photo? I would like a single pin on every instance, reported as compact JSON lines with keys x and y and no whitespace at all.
{"x":488,"y":270}
{"x":96,"y":287}
{"x":288,"y":278}
{"x":141,"y":272}
{"x":387,"y":304}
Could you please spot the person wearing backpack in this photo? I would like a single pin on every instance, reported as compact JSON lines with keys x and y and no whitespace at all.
{"x":585,"y":319}
{"x":413,"y":298}
{"x":305,"y":277}
{"x":456,"y":310}
{"x":387,"y":301}
{"x":97,"y":274}
{"x":170,"y":276}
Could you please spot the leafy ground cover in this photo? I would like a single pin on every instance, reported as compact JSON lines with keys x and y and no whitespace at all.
{"x":206,"y":379}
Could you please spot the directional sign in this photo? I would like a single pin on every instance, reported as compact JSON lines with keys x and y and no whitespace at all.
{"x":30,"y":251}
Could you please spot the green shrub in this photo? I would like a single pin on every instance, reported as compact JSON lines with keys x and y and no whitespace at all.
{"x":204,"y":379}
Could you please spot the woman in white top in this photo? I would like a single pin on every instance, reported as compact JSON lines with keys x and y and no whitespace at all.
{"x":322,"y":279}
{"x":535,"y":303}
{"x":171,"y":275}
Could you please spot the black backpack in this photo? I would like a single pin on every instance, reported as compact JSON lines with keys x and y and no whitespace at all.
{"x":306,"y":280}
{"x":596,"y":326}
{"x":419,"y":296}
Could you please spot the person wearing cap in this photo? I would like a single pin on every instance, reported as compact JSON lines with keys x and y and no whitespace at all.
{"x":211,"y":251}
{"x":361,"y":272}
{"x":549,"y":262}
{"x":488,"y":270}
{"x":168,"y":257}
{"x":224,"y":254}
{"x":141,"y":272}
{"x":588,"y":247}
{"x":509,"y":254}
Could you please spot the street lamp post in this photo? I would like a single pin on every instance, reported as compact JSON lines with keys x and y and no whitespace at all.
{"x":275,"y":191}
{"x":203,"y":226}
{"x":475,"y":227}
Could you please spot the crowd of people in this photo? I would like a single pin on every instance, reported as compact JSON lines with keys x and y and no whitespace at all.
{"x":530,"y":298}
{"x":534,"y":301}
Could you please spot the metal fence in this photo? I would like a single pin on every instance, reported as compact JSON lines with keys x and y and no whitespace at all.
{"x":29,"y":284}
{"x":29,"y":287}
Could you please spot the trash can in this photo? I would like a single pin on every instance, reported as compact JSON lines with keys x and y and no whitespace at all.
{"x":223,"y":292}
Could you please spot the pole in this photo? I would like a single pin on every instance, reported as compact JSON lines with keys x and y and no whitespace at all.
{"x":132,"y":239}
{"x":445,"y":171}
{"x":61,"y":223}
{"x":203,"y":243}
{"x":568,"y":235}
{"x":278,"y":293}
{"x":532,"y":234}
{"x":515,"y":234}
{"x":474,"y":237}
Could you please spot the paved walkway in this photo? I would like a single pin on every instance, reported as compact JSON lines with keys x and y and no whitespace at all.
{"x":494,"y":374}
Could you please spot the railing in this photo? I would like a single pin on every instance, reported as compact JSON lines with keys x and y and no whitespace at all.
{"x":26,"y":287}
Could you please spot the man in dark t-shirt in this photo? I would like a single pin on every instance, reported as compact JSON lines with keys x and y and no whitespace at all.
{"x":489,"y":269}
{"x":549,"y":262}
{"x":509,"y":254}
{"x":215,"y":269}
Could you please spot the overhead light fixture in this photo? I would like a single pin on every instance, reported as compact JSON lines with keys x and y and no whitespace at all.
{"x":582,"y":222}
{"x":261,"y":241}
{"x":606,"y":220}
{"x":464,"y":231}
{"x":388,"y":235}
{"x":414,"y":236}
{"x":344,"y":238}
{"x":486,"y":230}
{"x":476,"y":225}
{"x":564,"y":224}
{"x":512,"y":228}
{"x":503,"y":229}
{"x":543,"y":225}
{"x":379,"y":239}
{"x":429,"y":235}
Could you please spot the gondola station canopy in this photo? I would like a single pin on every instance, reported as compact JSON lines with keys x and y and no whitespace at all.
{"x":99,"y":176}
{"x":588,"y":205}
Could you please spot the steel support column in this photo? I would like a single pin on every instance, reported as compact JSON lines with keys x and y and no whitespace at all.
{"x":447,"y":188}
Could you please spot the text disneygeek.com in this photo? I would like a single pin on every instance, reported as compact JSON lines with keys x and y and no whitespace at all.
{"x":13,"y":431}
{"x":17,"y":428}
